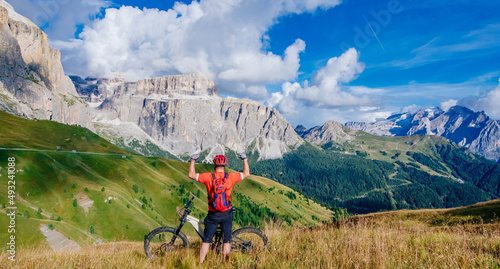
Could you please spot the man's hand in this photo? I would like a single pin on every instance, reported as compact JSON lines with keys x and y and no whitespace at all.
{"x":243,"y":156}
{"x":195,"y":156}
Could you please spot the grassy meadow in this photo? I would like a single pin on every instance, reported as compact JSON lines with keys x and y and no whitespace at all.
{"x":398,"y":239}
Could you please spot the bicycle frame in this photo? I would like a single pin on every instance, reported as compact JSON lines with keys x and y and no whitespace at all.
{"x":197,"y":225}
{"x":185,"y":217}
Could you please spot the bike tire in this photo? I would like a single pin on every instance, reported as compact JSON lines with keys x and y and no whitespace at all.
{"x":248,"y":239}
{"x":158,"y":241}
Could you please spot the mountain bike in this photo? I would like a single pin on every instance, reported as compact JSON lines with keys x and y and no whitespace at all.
{"x":165,"y":239}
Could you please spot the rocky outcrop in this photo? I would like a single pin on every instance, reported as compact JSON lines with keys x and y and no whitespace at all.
{"x":96,"y":90}
{"x":177,"y":86}
{"x":331,"y":131}
{"x":301,"y":130}
{"x":465,"y":127}
{"x":183,"y":114}
{"x":32,"y":80}
{"x":88,"y":89}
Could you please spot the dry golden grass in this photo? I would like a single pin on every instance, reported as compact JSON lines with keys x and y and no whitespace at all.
{"x":360,"y":243}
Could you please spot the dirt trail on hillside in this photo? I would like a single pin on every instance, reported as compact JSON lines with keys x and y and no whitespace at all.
{"x":58,"y":241}
{"x":31,"y":206}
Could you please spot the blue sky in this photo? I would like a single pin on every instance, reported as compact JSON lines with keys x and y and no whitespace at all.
{"x":313,"y":60}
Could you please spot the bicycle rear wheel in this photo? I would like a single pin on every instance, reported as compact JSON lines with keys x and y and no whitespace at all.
{"x":249,"y":239}
{"x":158,"y":242}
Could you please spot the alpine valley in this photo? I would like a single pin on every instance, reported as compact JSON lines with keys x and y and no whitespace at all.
{"x":88,"y":148}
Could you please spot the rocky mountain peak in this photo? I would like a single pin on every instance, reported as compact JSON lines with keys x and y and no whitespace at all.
{"x":12,"y":15}
{"x":461,"y":110}
{"x":428,"y":113}
{"x":330,"y":131}
{"x":301,"y":130}
{"x":32,"y":80}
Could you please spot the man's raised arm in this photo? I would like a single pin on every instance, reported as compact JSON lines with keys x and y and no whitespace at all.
{"x":246,"y":167}
{"x":192,"y":169}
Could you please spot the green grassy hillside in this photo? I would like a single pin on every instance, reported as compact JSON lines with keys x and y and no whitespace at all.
{"x":48,"y":135}
{"x":375,"y":173}
{"x":116,"y":195}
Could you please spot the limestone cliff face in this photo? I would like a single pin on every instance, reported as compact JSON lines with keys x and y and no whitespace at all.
{"x":32,"y":80}
{"x":185,"y":85}
{"x":183,"y":114}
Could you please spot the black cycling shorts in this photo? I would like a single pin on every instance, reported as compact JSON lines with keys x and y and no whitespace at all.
{"x":213,"y":220}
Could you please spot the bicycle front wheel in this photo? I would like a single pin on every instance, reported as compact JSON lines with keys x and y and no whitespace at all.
{"x":249,"y":239}
{"x":159,"y":241}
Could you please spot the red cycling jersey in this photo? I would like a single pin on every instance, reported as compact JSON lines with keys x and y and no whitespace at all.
{"x":206,"y":178}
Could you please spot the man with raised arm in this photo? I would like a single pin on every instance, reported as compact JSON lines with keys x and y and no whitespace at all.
{"x":219,"y":186}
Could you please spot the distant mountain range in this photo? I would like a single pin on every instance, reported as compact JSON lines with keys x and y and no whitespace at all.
{"x":474,"y":130}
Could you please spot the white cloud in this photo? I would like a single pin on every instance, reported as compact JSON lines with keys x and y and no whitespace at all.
{"x":223,"y":39}
{"x":371,"y":116}
{"x":448,"y":104}
{"x":285,"y":101}
{"x":411,"y":108}
{"x":253,"y":66}
{"x":488,"y":103}
{"x":325,"y":89}
{"x":59,"y":18}
{"x":310,"y":116}
{"x":327,"y":98}
{"x":338,"y":70}
{"x":255,"y":92}
{"x":368,"y":108}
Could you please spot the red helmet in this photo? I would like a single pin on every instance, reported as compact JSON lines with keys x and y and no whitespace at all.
{"x":220,"y":160}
